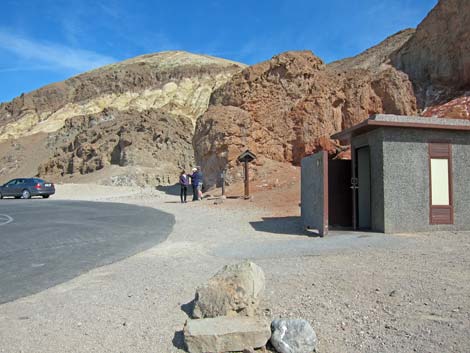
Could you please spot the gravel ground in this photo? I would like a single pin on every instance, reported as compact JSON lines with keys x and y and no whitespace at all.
{"x":362,"y":292}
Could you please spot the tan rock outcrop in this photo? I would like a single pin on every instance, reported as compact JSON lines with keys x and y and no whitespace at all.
{"x":153,"y":140}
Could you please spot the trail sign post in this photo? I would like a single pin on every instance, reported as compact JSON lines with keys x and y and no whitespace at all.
{"x":245,"y":158}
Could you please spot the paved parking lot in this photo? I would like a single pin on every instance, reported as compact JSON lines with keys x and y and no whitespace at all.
{"x":46,"y":242}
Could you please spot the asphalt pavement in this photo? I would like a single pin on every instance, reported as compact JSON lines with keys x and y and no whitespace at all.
{"x":46,"y":242}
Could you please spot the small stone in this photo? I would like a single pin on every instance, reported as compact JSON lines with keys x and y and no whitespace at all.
{"x":293,"y":336}
{"x":248,"y":350}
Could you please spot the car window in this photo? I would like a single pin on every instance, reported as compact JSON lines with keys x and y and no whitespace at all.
{"x":37,"y":180}
{"x":12,"y":182}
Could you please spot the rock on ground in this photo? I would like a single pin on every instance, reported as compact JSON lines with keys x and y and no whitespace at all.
{"x":226,"y":334}
{"x":293,"y":336}
{"x":235,"y":290}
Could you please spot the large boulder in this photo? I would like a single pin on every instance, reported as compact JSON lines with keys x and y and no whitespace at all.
{"x":293,"y":336}
{"x":233,"y":291}
{"x":226,"y":334}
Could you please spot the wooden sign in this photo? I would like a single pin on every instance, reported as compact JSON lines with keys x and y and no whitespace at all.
{"x":247,"y":157}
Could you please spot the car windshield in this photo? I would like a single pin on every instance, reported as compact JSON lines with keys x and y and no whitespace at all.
{"x":37,"y":180}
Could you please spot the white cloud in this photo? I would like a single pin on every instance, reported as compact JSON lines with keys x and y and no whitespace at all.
{"x":52,"y":54}
{"x":27,"y":68}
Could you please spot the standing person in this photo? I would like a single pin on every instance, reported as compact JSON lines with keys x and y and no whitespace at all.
{"x":184,"y":182}
{"x":199,"y":185}
{"x":194,"y":183}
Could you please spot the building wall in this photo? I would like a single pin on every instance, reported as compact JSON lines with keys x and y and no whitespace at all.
{"x":373,"y":139}
{"x":313,"y":193}
{"x":406,"y":179}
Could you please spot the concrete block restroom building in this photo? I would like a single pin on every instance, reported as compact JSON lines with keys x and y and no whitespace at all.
{"x":406,"y":174}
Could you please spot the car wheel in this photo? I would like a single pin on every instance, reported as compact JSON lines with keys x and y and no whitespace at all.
{"x":26,"y":194}
{"x":45,"y":196}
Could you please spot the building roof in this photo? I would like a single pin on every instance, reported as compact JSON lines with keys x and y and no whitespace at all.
{"x":402,"y":121}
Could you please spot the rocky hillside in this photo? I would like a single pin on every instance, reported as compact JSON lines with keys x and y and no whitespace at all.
{"x":141,"y":120}
{"x":374,"y":58}
{"x":150,"y":149}
{"x":287,"y":107}
{"x":437,"y":56}
{"x":126,"y":95}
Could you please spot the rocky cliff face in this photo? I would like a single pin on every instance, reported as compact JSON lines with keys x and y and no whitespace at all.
{"x":437,"y":56}
{"x":286,"y":107}
{"x":89,"y":117}
{"x":153,"y":148}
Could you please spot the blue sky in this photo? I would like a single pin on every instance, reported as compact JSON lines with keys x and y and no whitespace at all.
{"x":44,"y":41}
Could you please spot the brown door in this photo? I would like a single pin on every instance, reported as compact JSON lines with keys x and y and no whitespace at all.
{"x":440,"y":180}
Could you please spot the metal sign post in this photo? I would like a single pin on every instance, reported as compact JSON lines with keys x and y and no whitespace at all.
{"x":245,"y":158}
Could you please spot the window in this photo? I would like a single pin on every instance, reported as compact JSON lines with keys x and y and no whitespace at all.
{"x":440,"y":179}
{"x":440,"y":182}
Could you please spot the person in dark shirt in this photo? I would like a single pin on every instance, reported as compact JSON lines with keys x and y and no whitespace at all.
{"x":184,"y":182}
{"x":196,"y":182}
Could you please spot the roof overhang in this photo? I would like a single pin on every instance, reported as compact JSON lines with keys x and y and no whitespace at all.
{"x":383,"y":120}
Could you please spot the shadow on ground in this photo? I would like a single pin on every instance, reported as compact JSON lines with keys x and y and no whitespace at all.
{"x":281,"y":225}
{"x":178,"y":340}
{"x":171,"y":189}
{"x":188,"y":308}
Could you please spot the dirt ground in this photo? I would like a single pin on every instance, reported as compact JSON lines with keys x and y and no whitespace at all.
{"x":362,"y":292}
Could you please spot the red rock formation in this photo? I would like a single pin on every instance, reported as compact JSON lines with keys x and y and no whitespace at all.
{"x":287,"y":107}
{"x":458,"y":108}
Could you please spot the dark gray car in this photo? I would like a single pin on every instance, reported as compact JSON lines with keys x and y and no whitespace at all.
{"x":26,"y":187}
